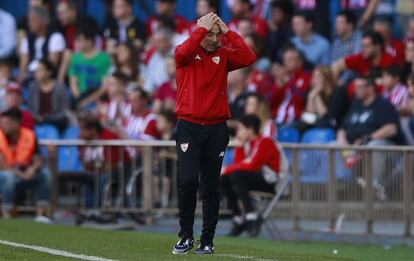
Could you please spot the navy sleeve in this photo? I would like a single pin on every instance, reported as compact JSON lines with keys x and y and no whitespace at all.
{"x":387,"y":114}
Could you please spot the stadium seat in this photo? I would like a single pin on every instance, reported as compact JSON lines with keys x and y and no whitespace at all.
{"x":318,"y":136}
{"x":68,"y":156}
{"x":71,"y":132}
{"x":69,"y":166}
{"x":46,"y":131}
{"x":228,"y":157}
{"x":314,"y":163}
{"x":288,"y":135}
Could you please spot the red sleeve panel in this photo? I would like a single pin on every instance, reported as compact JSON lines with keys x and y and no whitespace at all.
{"x":265,"y":154}
{"x":186,"y":51}
{"x":356,"y":62}
{"x":240,"y":55}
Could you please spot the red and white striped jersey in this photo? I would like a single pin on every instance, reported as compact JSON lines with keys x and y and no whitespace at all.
{"x":141,"y":127}
{"x":398,"y":95}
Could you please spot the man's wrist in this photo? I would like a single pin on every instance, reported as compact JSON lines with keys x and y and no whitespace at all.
{"x":202,"y":29}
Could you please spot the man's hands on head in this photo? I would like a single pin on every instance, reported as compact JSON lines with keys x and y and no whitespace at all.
{"x":223,"y":27}
{"x":209,"y":20}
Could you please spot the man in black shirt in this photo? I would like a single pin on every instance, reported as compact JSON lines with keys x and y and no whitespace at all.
{"x":124,"y":27}
{"x":371,"y":120}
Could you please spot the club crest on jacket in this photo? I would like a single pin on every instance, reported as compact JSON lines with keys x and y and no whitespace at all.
{"x":216,"y":59}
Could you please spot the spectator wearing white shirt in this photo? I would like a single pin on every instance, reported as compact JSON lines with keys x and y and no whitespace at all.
{"x":141,"y":124}
{"x":39,"y":43}
{"x":7,"y":34}
{"x":156,"y":74}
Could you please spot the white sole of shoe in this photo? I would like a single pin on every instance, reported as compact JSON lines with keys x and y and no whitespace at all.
{"x":179,"y":253}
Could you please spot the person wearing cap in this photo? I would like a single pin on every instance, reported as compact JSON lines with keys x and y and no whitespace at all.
{"x":14,"y":100}
{"x":21,"y":165}
{"x":202,"y":66}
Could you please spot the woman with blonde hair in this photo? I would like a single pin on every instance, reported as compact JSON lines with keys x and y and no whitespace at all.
{"x":257,"y":105}
{"x":319,"y":96}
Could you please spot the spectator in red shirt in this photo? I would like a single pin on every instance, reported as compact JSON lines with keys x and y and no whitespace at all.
{"x":393,"y":90}
{"x":241,"y":9}
{"x":394,"y":47}
{"x":13,"y":99}
{"x":141,"y":123}
{"x":67,"y":16}
{"x":117,"y":108}
{"x":259,"y":80}
{"x":258,"y":165}
{"x":166,"y":7}
{"x":166,"y":94}
{"x":290,"y":88}
{"x":373,"y":55}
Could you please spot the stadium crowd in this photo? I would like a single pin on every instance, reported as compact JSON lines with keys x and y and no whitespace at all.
{"x":117,"y":81}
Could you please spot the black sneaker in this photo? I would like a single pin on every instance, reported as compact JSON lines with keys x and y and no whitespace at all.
{"x":205,"y":249}
{"x":183,"y":246}
{"x":237,"y":230}
{"x":254,"y":226}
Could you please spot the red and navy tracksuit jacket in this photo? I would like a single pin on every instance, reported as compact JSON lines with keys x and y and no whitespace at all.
{"x":202,"y":77}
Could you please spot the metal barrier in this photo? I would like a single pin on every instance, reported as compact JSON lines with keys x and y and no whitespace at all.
{"x":375,"y":184}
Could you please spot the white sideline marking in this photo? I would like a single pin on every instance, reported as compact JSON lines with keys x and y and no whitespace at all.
{"x":245,"y":257}
{"x":55,"y":252}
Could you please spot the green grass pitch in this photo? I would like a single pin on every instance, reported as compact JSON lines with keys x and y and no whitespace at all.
{"x":122,"y":245}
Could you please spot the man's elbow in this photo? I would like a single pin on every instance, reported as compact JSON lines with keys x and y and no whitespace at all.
{"x":179,"y":57}
{"x":247,"y":60}
{"x":393,"y":130}
{"x":251,"y":59}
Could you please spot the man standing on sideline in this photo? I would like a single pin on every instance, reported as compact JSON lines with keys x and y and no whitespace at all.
{"x":202,"y":133}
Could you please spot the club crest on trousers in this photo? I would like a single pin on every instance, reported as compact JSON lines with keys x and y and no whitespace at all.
{"x":184,"y":146}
